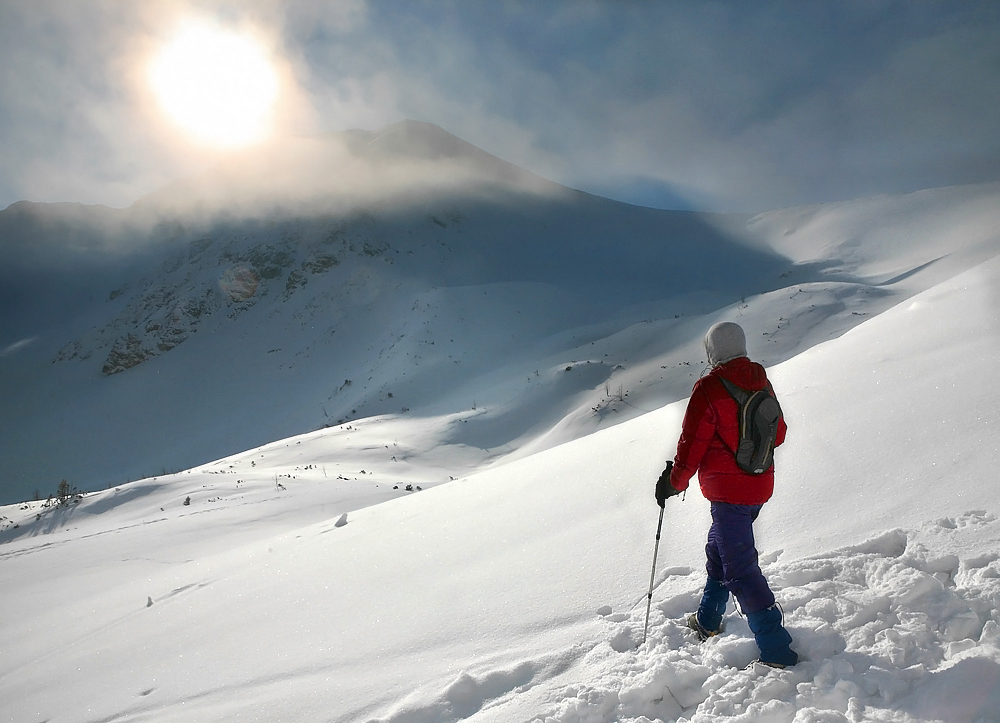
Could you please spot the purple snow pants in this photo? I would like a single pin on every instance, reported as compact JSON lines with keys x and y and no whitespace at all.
{"x":732,"y":555}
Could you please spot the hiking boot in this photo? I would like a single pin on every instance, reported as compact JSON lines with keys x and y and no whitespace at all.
{"x":772,"y":638}
{"x":702,"y":633}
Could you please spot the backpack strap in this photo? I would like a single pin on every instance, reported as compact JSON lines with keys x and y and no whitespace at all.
{"x":740,"y":395}
{"x":743,"y":399}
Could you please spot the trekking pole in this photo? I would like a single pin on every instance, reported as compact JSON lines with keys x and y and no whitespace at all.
{"x":652,"y":574}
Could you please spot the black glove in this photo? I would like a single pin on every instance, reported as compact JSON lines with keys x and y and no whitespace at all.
{"x":663,"y":487}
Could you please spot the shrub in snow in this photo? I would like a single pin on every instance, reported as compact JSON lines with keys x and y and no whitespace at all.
{"x":66,"y":494}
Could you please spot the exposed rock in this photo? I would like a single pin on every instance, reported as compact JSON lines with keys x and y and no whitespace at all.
{"x":127,"y":352}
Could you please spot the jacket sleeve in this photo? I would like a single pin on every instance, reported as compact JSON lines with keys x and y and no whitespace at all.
{"x":697,"y":432}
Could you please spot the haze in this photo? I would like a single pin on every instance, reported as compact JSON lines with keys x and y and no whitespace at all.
{"x":708,"y":106}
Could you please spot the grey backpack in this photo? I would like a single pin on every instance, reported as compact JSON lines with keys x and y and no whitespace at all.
{"x":759,"y":417}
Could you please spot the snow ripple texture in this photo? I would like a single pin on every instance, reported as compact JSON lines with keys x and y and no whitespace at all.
{"x":888,"y":630}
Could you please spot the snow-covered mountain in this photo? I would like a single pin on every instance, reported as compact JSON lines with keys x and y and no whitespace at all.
{"x":485,"y":555}
{"x":400,"y":271}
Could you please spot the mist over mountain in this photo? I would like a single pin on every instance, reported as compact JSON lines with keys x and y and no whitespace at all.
{"x":395,"y":272}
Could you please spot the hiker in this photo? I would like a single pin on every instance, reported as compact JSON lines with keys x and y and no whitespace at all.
{"x":709,"y":439}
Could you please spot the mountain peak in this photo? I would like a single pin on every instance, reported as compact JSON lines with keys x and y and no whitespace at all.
{"x":419,"y":139}
{"x":393,"y":164}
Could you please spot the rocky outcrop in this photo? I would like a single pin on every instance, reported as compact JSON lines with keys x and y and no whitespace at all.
{"x":224,"y":271}
{"x":127,"y":352}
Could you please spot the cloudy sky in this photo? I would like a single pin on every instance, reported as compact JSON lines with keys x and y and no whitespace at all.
{"x":732,"y":106}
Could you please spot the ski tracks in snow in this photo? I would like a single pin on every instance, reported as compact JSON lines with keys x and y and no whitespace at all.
{"x":896,"y":629}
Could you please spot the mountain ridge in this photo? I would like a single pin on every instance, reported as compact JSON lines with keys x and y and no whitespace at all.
{"x":223,"y":332}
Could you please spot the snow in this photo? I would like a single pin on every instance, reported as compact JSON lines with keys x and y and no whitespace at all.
{"x":417,"y":315}
{"x":302,"y":580}
{"x":889,"y":630}
{"x":447,"y":305}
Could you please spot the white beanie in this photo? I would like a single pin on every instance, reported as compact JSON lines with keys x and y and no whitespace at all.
{"x":725,"y":341}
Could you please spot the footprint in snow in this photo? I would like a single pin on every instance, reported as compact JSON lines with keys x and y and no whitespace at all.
{"x":607,"y":613}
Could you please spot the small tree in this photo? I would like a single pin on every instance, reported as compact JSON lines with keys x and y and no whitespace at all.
{"x":66,"y":493}
{"x":63,"y":492}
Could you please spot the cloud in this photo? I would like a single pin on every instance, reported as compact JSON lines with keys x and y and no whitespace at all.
{"x":18,"y":346}
{"x":67,"y":120}
{"x":79,"y":121}
{"x":721,"y":105}
{"x":392,"y":168}
{"x":742,"y":106}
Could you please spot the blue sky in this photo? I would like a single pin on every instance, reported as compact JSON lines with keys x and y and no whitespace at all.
{"x":728,"y":106}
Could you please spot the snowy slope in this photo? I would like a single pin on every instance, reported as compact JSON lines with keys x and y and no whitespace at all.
{"x":444,"y":281}
{"x":230,"y":327}
{"x":515,"y":592}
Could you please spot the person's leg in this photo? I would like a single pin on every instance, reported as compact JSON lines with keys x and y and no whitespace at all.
{"x":733,"y":532}
{"x":714,"y":599}
{"x":713,"y":561}
{"x":715,"y":595}
{"x":772,"y":638}
{"x":743,"y":576}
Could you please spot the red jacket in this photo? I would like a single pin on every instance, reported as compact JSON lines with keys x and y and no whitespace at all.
{"x":711,"y":432}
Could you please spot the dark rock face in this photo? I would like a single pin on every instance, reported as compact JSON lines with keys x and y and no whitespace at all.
{"x":127,"y":352}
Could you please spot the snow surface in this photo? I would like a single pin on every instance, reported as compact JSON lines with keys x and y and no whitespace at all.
{"x":303,"y":581}
{"x":225,"y":333}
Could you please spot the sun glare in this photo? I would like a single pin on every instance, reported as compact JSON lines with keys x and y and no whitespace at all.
{"x":216,"y":84}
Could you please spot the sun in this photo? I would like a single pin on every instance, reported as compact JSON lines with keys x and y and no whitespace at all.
{"x":218,"y":85}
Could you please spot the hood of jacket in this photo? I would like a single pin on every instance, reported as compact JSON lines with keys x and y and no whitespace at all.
{"x":743,"y":373}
